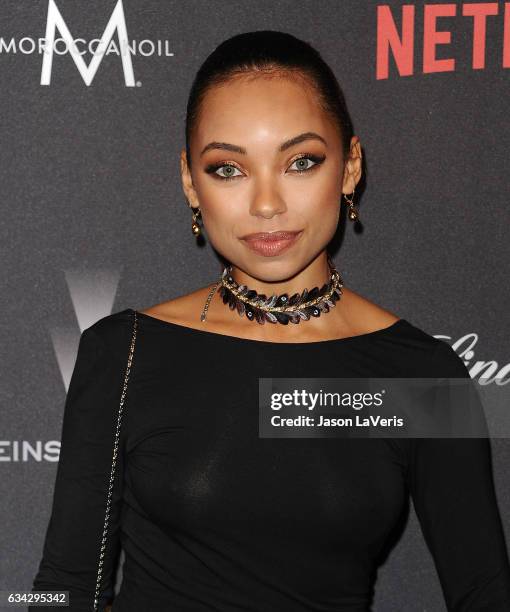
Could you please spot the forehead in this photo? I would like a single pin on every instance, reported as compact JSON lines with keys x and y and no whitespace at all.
{"x":261,"y":108}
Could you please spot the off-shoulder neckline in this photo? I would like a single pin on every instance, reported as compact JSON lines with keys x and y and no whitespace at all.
{"x":206,"y":333}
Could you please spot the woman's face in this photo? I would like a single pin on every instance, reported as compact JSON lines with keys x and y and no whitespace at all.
{"x":266,"y":157}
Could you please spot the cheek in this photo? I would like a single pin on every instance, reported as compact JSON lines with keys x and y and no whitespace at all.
{"x":320,"y":212}
{"x":317,"y":198}
{"x":223,"y":220}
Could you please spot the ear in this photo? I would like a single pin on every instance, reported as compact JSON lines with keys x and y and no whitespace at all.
{"x":187,"y":181}
{"x":352,"y":167}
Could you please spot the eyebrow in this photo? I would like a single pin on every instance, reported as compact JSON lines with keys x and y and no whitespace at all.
{"x":225,"y":146}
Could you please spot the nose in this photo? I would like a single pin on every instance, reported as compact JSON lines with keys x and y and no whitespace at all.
{"x":267,"y":201}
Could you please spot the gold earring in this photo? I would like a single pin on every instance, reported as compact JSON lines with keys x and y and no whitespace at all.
{"x":353,"y":213}
{"x":195,"y":227}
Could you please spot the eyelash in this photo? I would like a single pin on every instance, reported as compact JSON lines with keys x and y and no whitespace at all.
{"x":317,"y":159}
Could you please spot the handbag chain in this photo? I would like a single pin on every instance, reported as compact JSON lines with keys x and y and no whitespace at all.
{"x":114,"y":462}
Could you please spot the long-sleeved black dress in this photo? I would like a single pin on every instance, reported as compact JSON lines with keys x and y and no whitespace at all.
{"x":213,"y":517}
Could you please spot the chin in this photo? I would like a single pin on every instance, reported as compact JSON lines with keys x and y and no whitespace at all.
{"x":272,"y":269}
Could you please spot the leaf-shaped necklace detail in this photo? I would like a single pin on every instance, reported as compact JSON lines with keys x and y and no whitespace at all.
{"x":277,"y":308}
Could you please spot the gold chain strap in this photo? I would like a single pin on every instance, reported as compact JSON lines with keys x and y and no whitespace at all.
{"x":114,"y":462}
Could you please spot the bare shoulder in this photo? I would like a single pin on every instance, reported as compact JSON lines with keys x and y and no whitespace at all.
{"x":354,"y":314}
{"x":364,"y":315}
{"x":183,"y":310}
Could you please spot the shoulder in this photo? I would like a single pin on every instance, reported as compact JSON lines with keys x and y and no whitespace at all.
{"x":419,"y":350}
{"x":364,"y":315}
{"x":111,"y":334}
{"x":183,"y":310}
{"x":355,"y":316}
{"x":447,"y":362}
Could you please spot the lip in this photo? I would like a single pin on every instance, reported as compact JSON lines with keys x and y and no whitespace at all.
{"x":270,"y":244}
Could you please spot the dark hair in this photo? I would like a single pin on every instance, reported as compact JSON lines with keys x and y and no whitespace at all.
{"x":269,"y":51}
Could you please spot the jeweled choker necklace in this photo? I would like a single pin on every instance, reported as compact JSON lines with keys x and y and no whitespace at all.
{"x":277,"y":308}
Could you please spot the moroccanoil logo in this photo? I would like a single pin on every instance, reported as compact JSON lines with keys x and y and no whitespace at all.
{"x":59,"y":41}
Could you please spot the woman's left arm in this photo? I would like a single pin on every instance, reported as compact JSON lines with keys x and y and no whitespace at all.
{"x":452,"y":488}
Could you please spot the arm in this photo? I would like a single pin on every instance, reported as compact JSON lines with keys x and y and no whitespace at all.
{"x":451,"y":484}
{"x":74,"y":533}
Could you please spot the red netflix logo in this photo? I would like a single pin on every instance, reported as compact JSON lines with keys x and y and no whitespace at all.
{"x":401,"y":44}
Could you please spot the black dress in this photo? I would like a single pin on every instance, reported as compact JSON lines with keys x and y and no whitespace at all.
{"x":212,"y":517}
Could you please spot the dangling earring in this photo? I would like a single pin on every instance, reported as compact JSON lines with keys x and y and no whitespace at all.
{"x":353,"y":213}
{"x":195,"y":227}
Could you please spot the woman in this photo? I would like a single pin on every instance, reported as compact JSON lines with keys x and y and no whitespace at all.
{"x":210,"y":515}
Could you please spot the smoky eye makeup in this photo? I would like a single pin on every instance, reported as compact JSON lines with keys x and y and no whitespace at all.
{"x":212,"y":169}
{"x":317,"y":160}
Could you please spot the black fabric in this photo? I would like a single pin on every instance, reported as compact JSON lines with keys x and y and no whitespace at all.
{"x":212,"y":517}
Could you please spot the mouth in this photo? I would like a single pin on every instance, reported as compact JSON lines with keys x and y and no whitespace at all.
{"x":270,"y":244}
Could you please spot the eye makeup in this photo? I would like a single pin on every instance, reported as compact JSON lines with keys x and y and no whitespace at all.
{"x":213,"y":168}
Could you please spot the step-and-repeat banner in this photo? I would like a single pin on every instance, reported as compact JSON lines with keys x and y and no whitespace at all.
{"x":94,"y":219}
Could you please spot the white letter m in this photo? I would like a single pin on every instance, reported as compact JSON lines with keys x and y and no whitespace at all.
{"x":117,"y":22}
